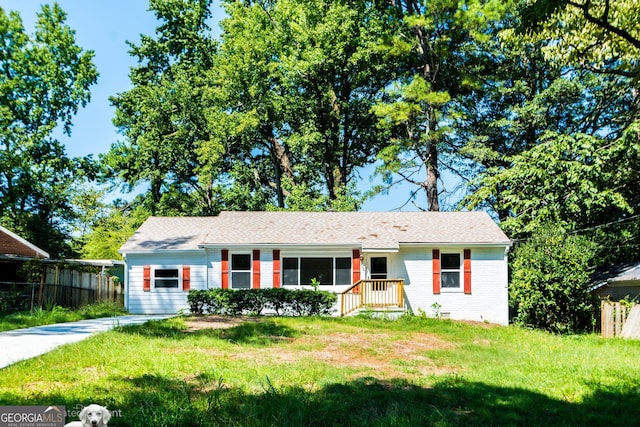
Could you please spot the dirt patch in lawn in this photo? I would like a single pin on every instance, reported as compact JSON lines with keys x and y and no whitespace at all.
{"x":389,"y":355}
{"x":383,"y":353}
{"x":217,"y":322}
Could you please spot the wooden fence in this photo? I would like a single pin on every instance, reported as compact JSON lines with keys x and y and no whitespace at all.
{"x":73,"y":288}
{"x":613,"y":317}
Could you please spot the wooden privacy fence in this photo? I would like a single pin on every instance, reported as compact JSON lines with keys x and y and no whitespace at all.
{"x":73,"y":288}
{"x":613,"y":317}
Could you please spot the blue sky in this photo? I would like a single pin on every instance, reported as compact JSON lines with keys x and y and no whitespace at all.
{"x":104,"y":26}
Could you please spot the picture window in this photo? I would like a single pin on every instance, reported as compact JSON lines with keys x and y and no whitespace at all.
{"x":325,"y":270}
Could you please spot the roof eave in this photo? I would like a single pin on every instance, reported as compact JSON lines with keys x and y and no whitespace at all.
{"x":496,"y":244}
{"x":39,"y":252}
{"x":157,"y":251}
{"x":278,"y":245}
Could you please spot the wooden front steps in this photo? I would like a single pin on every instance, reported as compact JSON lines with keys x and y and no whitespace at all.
{"x":373,"y":294}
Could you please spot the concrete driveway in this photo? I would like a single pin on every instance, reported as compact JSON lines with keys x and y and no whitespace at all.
{"x":26,"y":343}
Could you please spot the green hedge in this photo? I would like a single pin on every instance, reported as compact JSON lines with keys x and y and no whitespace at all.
{"x":300,"y":302}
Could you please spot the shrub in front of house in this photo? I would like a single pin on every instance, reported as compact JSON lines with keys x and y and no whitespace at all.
{"x":279,"y":300}
{"x":299,"y":302}
{"x":246,"y":301}
{"x":312,"y":303}
{"x":208,"y":301}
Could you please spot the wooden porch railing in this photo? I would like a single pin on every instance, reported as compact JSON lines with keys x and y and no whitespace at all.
{"x":372,"y":293}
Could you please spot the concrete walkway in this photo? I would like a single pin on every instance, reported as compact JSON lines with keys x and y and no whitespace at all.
{"x":26,"y":343}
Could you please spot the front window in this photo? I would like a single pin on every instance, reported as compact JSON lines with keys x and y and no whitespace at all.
{"x":343,"y":271}
{"x":316,"y":269}
{"x":240,"y":271}
{"x":450,"y":270}
{"x":166,"y":277}
{"x":323,"y":270}
{"x":290,"y":271}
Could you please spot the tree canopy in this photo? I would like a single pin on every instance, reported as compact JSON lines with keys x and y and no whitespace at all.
{"x":44,"y":79}
{"x":576,"y":128}
{"x":295,"y":98}
{"x":276,"y":114}
{"x":161,"y":117}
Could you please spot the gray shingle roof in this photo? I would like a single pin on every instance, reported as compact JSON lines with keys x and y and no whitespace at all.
{"x":626,"y":272}
{"x":367,"y":229}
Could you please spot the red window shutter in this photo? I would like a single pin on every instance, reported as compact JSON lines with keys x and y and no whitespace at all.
{"x":146,"y":278}
{"x":224,"y":265}
{"x":355,"y":265}
{"x":436,"y":271}
{"x":467,"y":271}
{"x":256,"y":269}
{"x":276,"y":268}
{"x":186,"y":278}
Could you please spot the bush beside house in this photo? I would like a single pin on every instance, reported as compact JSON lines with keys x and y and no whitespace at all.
{"x":551,"y":282}
{"x":302,"y":302}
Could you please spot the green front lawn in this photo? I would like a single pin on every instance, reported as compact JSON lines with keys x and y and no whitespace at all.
{"x":336,"y":372}
{"x":56,"y":314}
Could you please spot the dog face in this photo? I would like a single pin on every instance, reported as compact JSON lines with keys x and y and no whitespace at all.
{"x":95,"y":416}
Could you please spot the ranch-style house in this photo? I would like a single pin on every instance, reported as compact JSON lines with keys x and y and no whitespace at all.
{"x":450,"y":264}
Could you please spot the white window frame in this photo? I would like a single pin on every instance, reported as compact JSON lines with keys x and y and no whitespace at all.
{"x":231,"y":270}
{"x":334,"y":269}
{"x":458,"y":270}
{"x":166,"y":267}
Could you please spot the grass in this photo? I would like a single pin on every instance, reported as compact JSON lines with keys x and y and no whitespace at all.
{"x":336,"y":372}
{"x":57,"y":314}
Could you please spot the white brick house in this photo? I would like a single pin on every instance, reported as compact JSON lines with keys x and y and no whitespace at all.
{"x":456,"y":261}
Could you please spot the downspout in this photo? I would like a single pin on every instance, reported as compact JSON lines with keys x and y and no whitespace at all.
{"x":125,"y":285}
{"x":506,"y":279}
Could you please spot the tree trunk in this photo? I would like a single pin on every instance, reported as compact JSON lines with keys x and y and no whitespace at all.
{"x":433,"y":174}
{"x":431,"y":162}
{"x":282,"y":164}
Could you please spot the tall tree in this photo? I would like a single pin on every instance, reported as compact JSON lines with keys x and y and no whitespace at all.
{"x":161,"y":117}
{"x":337,"y":70}
{"x":245,"y":112}
{"x":296,"y":81}
{"x":439,"y":40}
{"x":525,"y":100}
{"x":44,"y":79}
{"x":575,"y":134}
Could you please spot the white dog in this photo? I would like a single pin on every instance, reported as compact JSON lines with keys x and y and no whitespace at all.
{"x":92,"y":416}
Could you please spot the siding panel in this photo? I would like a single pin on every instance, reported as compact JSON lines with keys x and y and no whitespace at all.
{"x":162,"y":301}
